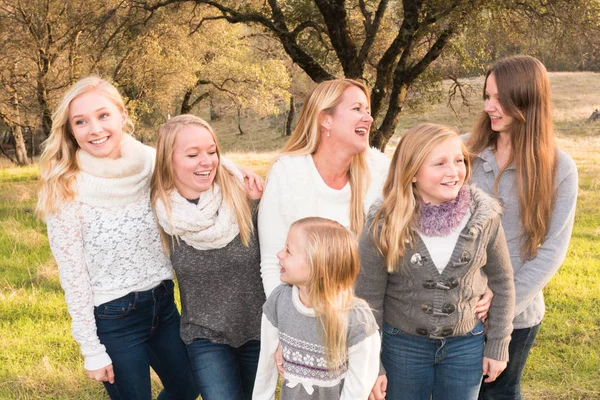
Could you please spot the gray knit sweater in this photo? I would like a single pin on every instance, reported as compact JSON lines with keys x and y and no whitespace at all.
{"x":531,"y":276}
{"x":221,"y":292}
{"x":420,"y":301}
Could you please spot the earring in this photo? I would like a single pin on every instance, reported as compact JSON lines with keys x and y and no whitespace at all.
{"x":328,"y":134}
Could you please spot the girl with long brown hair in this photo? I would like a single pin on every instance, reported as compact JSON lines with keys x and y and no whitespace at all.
{"x":328,"y":337}
{"x":515,"y":159}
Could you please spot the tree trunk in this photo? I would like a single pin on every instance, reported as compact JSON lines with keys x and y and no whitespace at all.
{"x":20,"y":149}
{"x":239,"y":121}
{"x":290,"y":117}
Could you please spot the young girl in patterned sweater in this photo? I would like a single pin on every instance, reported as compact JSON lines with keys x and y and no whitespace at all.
{"x":329,"y":338}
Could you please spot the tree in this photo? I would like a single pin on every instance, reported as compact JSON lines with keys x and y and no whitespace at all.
{"x":388,"y":44}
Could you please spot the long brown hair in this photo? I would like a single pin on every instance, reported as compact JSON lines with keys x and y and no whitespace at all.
{"x":163,"y":180}
{"x":305,"y":140}
{"x":332,"y":257}
{"x":524,"y":94}
{"x":392,"y":224}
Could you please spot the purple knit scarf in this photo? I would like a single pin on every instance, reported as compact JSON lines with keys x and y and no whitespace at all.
{"x":441,"y":220}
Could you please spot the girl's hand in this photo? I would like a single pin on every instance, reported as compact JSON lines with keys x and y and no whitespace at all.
{"x":105,"y":374}
{"x":279,"y":360}
{"x":378,"y":391}
{"x":254,"y":183}
{"x":483,"y":304}
{"x":492,"y":368}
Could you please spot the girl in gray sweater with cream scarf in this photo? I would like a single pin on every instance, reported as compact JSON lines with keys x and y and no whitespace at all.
{"x":428,"y":250}
{"x":208,"y":219}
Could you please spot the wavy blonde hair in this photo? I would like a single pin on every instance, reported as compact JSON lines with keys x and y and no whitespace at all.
{"x":393,"y":222}
{"x":163,"y":178}
{"x":58,"y":162}
{"x":305,"y":140}
{"x":524,"y":93}
{"x":333,"y":260}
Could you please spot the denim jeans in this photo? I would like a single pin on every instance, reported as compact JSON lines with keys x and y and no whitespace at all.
{"x":508,"y":385}
{"x":141,"y":330}
{"x":418,"y":367}
{"x":222,"y":371}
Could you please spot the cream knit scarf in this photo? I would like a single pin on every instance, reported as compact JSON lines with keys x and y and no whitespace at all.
{"x":204,"y":226}
{"x":105,"y":182}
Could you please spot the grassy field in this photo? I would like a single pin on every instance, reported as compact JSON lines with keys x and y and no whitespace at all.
{"x":40,"y":360}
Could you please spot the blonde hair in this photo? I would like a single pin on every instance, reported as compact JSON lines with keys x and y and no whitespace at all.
{"x":305,"y":140}
{"x":332,"y":257}
{"x":393,"y":222}
{"x":58,"y":162}
{"x":524,"y":93}
{"x":163,"y":179}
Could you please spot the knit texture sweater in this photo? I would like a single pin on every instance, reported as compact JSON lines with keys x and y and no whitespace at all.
{"x":530,"y":276}
{"x":288,"y":322}
{"x":295,"y":190}
{"x":221,"y":291}
{"x":106,"y":243}
{"x":420,"y":301}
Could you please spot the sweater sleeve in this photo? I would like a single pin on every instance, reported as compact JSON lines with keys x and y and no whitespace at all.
{"x":363,"y":368}
{"x":266,"y":375}
{"x":499,"y":273}
{"x":372,"y":281}
{"x":272,"y":229}
{"x":534,"y":274}
{"x":66,"y":243}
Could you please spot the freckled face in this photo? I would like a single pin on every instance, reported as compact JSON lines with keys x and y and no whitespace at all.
{"x":97,"y":124}
{"x":442,"y":174}
{"x":195,"y":161}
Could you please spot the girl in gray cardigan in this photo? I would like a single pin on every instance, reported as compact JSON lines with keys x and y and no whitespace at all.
{"x":428,"y":251}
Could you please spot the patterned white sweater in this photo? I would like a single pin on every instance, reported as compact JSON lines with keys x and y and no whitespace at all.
{"x":106,"y":243}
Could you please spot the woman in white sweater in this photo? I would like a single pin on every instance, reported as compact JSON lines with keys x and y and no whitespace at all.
{"x":325,"y":170}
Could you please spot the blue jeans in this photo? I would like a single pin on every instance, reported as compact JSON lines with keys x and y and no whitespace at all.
{"x":141,"y":330}
{"x":418,"y":367}
{"x":222,"y":371}
{"x":508,"y":385}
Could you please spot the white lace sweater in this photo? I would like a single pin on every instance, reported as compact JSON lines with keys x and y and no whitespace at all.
{"x":106,"y":242}
{"x":295,"y":190}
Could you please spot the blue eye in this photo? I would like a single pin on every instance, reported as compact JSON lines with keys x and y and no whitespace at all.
{"x":103,"y":115}
{"x":79,"y":122}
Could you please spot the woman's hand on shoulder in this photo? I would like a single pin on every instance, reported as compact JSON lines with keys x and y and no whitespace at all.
{"x":254,"y":183}
{"x":104,"y":374}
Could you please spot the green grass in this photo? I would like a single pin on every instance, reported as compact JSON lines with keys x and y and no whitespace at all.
{"x":39,"y":358}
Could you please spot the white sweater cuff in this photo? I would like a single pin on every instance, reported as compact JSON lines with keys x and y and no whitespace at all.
{"x":97,"y":361}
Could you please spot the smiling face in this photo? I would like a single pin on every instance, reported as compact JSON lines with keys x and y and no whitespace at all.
{"x":195,"y":161}
{"x":350,"y":122}
{"x":292,"y":259}
{"x":97,"y":124}
{"x":500,"y":121}
{"x":442,"y":173}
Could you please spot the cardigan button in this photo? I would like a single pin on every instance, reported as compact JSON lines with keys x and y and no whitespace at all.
{"x":448,"y":308}
{"x":452,"y":283}
{"x":465,"y":257}
{"x":446,"y":331}
{"x":416,"y":259}
{"x":427,"y":308}
{"x":422,"y":331}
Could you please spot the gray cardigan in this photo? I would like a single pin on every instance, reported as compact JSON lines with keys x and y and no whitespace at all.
{"x":531,"y":276}
{"x":420,"y":301}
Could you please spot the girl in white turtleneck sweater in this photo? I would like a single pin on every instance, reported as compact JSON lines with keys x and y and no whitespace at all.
{"x":95,"y":183}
